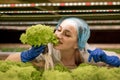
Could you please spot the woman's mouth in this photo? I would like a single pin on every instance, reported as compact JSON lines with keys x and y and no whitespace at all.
{"x":60,"y":42}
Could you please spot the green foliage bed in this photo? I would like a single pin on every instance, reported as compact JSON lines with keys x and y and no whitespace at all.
{"x":26,"y":71}
{"x":115,"y":50}
{"x":13,"y":49}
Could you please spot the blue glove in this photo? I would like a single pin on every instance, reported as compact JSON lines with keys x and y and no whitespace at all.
{"x":32,"y":53}
{"x":99,"y":55}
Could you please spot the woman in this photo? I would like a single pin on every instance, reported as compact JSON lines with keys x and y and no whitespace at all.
{"x":72,"y":49}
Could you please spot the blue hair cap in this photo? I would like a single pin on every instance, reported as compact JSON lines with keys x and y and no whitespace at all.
{"x":83,"y":30}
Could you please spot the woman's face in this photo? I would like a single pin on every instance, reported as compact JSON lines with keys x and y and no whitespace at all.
{"x":67,"y":36}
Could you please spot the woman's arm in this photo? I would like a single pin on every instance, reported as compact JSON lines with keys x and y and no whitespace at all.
{"x":14,"y":57}
{"x":27,"y":55}
{"x":111,"y":53}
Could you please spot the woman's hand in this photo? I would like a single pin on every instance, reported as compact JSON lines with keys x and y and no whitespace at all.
{"x":99,"y":55}
{"x":32,"y":53}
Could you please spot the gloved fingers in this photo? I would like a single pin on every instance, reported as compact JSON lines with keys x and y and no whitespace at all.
{"x":90,"y":58}
{"x":100,"y":54}
{"x":93,"y":55}
{"x":40,"y":49}
{"x":89,"y":51}
{"x":96,"y":58}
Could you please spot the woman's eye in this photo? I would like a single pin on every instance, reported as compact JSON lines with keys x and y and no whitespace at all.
{"x":68,"y":35}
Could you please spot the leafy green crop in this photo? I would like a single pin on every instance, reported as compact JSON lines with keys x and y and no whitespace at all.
{"x":39,"y":35}
{"x":56,"y":75}
{"x":18,"y":71}
{"x":61,"y":68}
{"x":26,"y":71}
{"x":90,"y":72}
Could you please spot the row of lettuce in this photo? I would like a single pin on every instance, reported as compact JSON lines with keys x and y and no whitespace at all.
{"x":26,"y":71}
